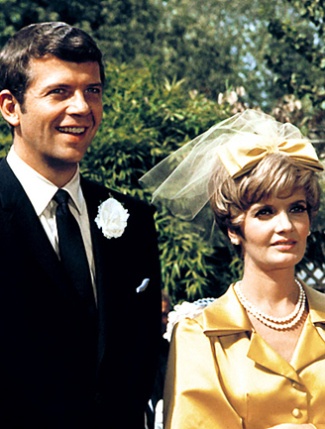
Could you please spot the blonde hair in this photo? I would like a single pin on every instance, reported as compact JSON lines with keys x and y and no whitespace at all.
{"x":275,"y":175}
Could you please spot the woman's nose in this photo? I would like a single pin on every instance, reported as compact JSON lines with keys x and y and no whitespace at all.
{"x":283,"y":222}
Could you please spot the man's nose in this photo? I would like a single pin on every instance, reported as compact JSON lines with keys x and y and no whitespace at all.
{"x":78,"y":104}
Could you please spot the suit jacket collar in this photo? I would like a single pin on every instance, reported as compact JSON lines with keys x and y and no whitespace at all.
{"x":22,"y":222}
{"x":108,"y":254}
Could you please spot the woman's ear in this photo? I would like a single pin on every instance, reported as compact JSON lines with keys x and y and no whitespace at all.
{"x":9,"y":108}
{"x":234,"y":238}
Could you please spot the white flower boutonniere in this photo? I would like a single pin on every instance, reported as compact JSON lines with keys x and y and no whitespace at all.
{"x":112,"y":218}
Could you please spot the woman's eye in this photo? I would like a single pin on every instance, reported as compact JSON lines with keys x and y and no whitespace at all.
{"x":298,"y":208}
{"x":265,"y":211}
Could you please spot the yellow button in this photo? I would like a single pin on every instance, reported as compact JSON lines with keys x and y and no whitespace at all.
{"x":296,"y":412}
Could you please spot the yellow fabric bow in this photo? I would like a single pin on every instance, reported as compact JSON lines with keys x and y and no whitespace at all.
{"x":244,"y":152}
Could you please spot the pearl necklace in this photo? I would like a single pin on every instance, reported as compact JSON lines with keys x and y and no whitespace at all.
{"x":278,"y":323}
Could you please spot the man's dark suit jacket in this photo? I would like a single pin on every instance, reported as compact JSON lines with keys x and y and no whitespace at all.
{"x":54,"y":374}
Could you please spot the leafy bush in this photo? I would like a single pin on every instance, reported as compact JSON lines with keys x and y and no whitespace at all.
{"x":145,"y":119}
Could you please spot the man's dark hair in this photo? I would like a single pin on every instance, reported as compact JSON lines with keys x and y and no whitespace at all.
{"x":38,"y":40}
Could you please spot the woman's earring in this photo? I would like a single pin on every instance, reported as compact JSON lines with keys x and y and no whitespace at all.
{"x":235,"y":241}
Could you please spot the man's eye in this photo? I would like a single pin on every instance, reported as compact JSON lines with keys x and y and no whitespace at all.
{"x":57,"y":91}
{"x":94,"y":90}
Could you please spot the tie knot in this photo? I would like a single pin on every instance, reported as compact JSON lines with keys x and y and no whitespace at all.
{"x":61,"y":196}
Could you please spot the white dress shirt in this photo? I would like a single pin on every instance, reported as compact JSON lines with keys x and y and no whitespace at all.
{"x":41,"y":191}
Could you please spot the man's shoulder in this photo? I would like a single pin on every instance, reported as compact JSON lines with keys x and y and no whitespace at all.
{"x":100,"y":192}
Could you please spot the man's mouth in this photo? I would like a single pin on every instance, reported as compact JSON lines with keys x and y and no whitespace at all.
{"x":72,"y":130}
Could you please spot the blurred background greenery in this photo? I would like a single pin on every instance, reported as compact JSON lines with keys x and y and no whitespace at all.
{"x":176,"y":67}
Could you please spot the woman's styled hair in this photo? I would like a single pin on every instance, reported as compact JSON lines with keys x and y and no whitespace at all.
{"x":237,"y":162}
{"x":38,"y":40}
{"x":276,"y":175}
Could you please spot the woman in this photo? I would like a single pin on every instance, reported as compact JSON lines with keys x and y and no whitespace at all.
{"x":255,"y":357}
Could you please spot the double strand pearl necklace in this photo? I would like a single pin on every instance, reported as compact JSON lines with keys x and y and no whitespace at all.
{"x":278,"y":323}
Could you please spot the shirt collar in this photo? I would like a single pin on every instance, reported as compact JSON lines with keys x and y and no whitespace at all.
{"x":226,"y":316}
{"x":316,"y":304}
{"x":39,"y":190}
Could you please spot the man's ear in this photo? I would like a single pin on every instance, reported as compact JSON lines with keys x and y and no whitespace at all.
{"x":10,"y":108}
{"x":234,"y":238}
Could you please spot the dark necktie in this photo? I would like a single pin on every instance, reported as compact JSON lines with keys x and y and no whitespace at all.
{"x":72,"y":249}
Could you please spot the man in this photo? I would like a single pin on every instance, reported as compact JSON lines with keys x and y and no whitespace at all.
{"x":71,"y":357}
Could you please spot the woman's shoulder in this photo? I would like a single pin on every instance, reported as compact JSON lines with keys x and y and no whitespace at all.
{"x":315,"y":298}
{"x":186,"y":311}
{"x":211,"y":316}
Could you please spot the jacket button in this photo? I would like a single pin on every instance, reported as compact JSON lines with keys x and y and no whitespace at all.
{"x":296,"y":412}
{"x":98,"y":398}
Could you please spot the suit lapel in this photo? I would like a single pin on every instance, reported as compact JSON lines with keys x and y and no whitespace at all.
{"x":112,"y":277}
{"x":104,"y":251}
{"x":23,"y":226}
{"x":107,"y":252}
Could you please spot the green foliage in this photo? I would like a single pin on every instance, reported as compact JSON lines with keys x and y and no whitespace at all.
{"x":296,"y":53}
{"x":192,"y":267}
{"x":5,"y":138}
{"x":144,"y":120}
{"x":15,"y":15}
{"x":272,"y":49}
{"x":124,"y":28}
